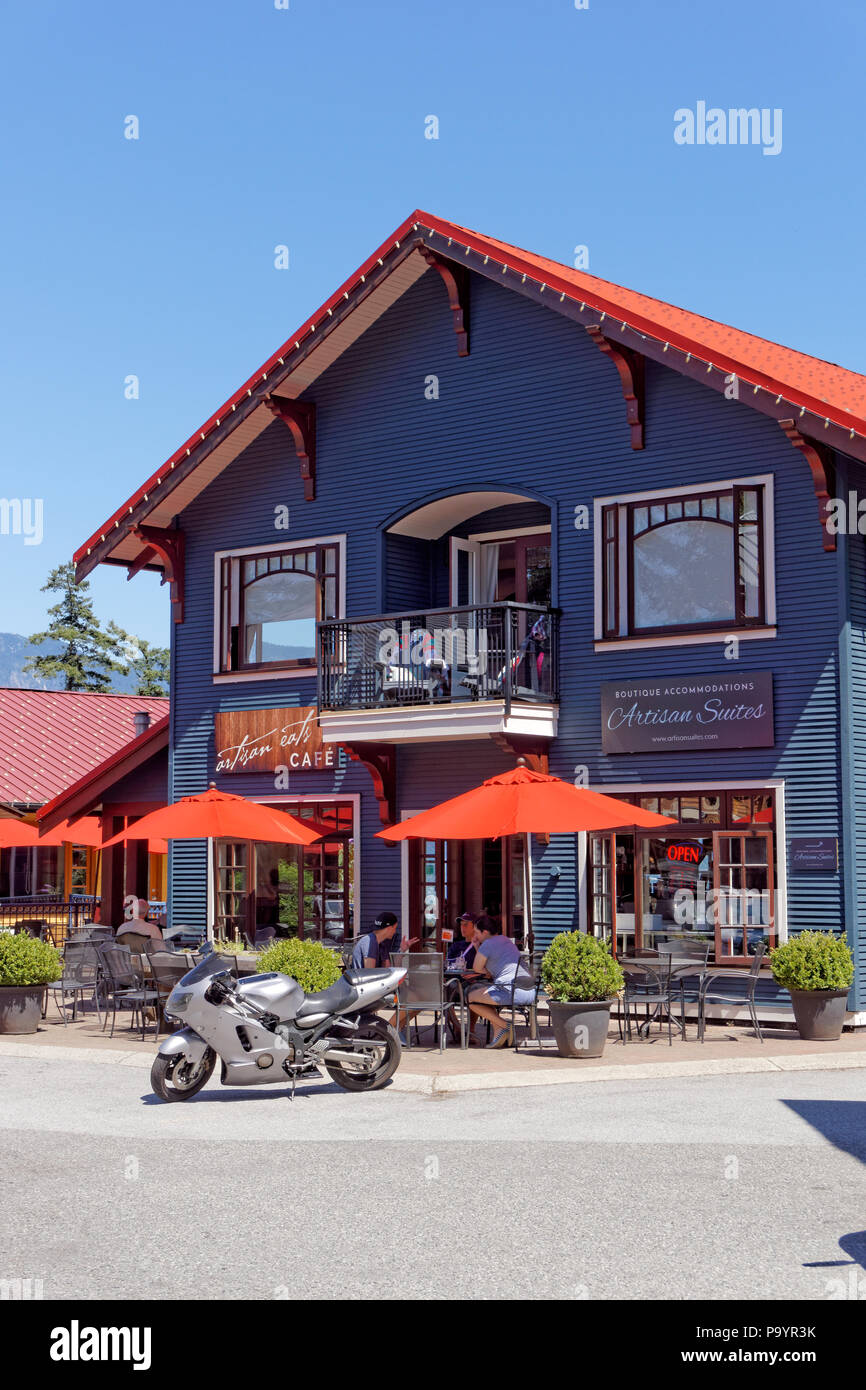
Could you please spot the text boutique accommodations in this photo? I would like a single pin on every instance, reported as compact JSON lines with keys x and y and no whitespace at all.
{"x":484,"y":506}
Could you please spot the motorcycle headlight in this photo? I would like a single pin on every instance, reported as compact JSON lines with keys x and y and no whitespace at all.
{"x":178,"y":1001}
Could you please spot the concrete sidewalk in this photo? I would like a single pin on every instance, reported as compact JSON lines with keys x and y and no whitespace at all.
{"x":426,"y":1071}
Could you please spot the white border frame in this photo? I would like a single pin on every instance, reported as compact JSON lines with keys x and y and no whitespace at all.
{"x":304,"y":673}
{"x":602,"y":643}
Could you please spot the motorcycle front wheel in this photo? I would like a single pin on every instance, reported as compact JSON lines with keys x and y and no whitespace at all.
{"x":387,"y":1059}
{"x":173,"y":1078}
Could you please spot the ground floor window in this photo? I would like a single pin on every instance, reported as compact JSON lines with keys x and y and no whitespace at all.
{"x":290,"y":890}
{"x":712,"y":876}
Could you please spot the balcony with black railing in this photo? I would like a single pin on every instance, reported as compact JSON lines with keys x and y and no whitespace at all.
{"x":461,"y":671}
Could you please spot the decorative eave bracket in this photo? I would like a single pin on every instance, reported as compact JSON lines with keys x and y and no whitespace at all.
{"x":630,"y":366}
{"x":456,"y":281}
{"x":300,"y":416}
{"x":820,"y":463}
{"x":380,"y":760}
{"x":170,"y":546}
{"x":533,"y":752}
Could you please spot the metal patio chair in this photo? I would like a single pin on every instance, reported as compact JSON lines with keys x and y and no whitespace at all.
{"x":689,"y":960}
{"x":166,"y":968}
{"x":123,"y":984}
{"x":727,"y":994}
{"x":423,"y":991}
{"x":80,"y":974}
{"x":647,"y":986}
{"x":526,"y":976}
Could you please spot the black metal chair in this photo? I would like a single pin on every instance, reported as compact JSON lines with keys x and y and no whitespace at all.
{"x":689,"y":961}
{"x":423,"y":991}
{"x":647,"y":986}
{"x":728,"y":994}
{"x":526,"y":976}
{"x":123,"y":984}
{"x":166,"y":968}
{"x":80,"y":975}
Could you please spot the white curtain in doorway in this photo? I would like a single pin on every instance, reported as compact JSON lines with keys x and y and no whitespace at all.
{"x":489,"y":578}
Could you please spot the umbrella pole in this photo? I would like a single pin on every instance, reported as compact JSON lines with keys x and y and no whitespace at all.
{"x":529,"y":940}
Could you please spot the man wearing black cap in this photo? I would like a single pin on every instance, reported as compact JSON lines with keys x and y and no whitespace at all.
{"x":373,"y":949}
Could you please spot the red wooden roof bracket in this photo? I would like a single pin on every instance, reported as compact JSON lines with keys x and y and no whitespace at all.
{"x":300,"y":417}
{"x":456,"y":281}
{"x":820,"y":463}
{"x":170,"y":546}
{"x":630,"y":366}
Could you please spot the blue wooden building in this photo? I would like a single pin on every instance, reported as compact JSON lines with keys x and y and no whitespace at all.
{"x":482,"y":506}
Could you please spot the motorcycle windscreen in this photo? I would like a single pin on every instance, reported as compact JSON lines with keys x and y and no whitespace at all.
{"x":211,"y":965}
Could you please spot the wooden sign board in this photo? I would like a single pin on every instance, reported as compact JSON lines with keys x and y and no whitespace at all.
{"x":263,"y":740}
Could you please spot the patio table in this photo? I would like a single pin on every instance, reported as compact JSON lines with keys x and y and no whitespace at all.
{"x":463,"y":980}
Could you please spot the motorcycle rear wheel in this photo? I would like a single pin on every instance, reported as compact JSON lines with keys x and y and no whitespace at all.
{"x":173,"y":1078}
{"x":352,"y":1079}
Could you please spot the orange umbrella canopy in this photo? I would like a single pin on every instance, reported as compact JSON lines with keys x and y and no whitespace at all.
{"x":85,"y":831}
{"x":523,"y":802}
{"x":16,"y":834}
{"x":220,"y":816}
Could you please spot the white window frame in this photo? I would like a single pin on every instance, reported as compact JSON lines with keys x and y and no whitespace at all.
{"x":243,"y":552}
{"x":684,"y":639}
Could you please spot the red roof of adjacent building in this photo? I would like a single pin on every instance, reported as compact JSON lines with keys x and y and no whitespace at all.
{"x":822,"y":388}
{"x":51,"y":738}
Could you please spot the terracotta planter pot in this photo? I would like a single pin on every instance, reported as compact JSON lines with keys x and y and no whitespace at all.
{"x":820,"y":1013}
{"x":20,"y":1008}
{"x":580,"y":1028}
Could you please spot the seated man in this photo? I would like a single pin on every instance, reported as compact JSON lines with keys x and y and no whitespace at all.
{"x":462,"y":949}
{"x":139,"y":923}
{"x":374,"y":948}
{"x":498,"y":957}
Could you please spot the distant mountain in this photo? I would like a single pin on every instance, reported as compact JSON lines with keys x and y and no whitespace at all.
{"x":16,"y":651}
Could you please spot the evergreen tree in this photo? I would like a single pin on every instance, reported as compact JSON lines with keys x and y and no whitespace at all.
{"x":149,"y":664}
{"x":88,"y":656}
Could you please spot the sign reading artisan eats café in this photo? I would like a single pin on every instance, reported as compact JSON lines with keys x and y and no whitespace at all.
{"x":681,"y":713}
{"x":262,"y":740}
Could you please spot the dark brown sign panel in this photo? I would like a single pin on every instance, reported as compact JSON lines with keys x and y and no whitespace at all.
{"x":262,"y":740}
{"x":816,"y":854}
{"x":674,"y":714}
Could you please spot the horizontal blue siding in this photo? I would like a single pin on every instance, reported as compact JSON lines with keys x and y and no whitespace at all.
{"x":538,"y":409}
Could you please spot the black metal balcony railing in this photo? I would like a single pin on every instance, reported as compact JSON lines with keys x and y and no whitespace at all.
{"x":500,"y":651}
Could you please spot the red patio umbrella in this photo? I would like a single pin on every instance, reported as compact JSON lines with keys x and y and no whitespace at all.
{"x":17,"y":834}
{"x":523,"y":802}
{"x":85,"y":831}
{"x":219,"y":816}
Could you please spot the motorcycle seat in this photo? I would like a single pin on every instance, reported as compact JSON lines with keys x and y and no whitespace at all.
{"x":330,"y":1000}
{"x":362,"y":977}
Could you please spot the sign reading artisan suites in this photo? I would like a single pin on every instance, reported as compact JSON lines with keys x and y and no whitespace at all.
{"x":264,"y":740}
{"x":682,"y":713}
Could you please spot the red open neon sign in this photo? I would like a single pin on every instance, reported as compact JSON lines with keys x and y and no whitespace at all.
{"x":684,"y":854}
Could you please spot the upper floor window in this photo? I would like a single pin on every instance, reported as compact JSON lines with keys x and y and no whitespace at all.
{"x":270,"y":602}
{"x":684,"y":562}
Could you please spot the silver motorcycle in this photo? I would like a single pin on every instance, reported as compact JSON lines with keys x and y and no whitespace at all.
{"x":265,"y":1029}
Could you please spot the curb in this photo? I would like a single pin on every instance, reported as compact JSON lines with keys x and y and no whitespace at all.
{"x":443,"y":1083}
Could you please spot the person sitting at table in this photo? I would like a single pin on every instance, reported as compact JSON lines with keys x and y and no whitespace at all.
{"x":138,"y":923}
{"x":496,"y":956}
{"x":373,"y":950}
{"x":462,"y":949}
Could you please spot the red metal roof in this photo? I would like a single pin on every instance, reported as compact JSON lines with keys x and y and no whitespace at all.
{"x":51,"y":738}
{"x":828,"y":390}
{"x":85,"y":794}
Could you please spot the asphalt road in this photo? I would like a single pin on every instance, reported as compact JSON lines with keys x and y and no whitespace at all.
{"x":718,"y":1187}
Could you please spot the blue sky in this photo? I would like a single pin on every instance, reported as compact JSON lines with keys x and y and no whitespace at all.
{"x":305,"y":127}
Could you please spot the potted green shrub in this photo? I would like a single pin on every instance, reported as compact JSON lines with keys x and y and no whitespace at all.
{"x":817,"y":970}
{"x":314,"y":966}
{"x":27,"y":965}
{"x":581,"y":980}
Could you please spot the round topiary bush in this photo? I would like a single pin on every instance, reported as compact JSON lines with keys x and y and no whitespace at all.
{"x":813,"y":960}
{"x":25,"y":961}
{"x":313,"y":966}
{"x":577,"y":967}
